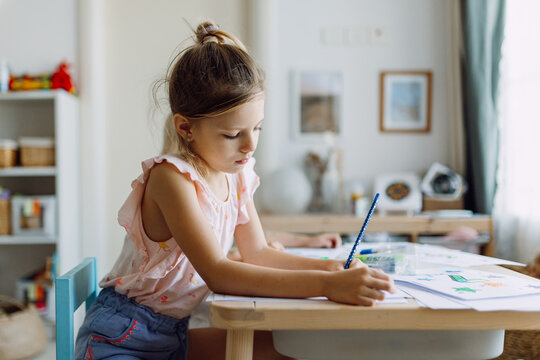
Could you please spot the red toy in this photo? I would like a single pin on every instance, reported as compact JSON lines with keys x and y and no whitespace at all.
{"x":61,"y":79}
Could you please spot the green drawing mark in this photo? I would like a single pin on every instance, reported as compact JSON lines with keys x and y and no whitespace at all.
{"x":465,"y":289}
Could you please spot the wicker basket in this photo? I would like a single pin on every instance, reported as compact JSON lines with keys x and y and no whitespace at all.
{"x":5,"y":217}
{"x":520,"y":344}
{"x":8,"y":152}
{"x":37,"y":151}
{"x":22,"y":331}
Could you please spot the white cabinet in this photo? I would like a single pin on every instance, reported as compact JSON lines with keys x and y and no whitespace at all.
{"x":53,"y":114}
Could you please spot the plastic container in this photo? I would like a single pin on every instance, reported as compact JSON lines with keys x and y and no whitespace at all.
{"x":37,"y":151}
{"x":389,"y":344}
{"x":8,"y":153}
{"x":391,"y":258}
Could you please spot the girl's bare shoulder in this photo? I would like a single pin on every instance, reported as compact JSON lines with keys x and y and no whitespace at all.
{"x":165,"y":177}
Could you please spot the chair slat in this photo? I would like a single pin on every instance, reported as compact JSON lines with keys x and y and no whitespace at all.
{"x":72,"y":289}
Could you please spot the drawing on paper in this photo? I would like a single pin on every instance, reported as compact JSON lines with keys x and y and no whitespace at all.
{"x":465,"y":289}
{"x":471,"y":284}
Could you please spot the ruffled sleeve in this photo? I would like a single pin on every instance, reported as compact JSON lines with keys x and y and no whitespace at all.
{"x":248,"y":182}
{"x":126,"y":214}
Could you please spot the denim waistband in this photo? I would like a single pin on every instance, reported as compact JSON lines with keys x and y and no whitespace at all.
{"x":121,"y":303}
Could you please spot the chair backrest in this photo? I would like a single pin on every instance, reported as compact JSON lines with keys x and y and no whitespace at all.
{"x":72,"y":289}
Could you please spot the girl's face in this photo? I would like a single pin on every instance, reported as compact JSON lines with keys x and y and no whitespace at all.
{"x":226,"y":142}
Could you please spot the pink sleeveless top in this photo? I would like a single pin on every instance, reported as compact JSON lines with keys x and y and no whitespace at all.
{"x":159,"y":275}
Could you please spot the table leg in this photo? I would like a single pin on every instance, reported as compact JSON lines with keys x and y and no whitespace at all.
{"x":239,"y":345}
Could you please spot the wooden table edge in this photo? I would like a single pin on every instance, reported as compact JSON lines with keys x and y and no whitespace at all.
{"x":333,"y":316}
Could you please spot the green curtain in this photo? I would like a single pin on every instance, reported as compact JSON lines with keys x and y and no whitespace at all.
{"x":483,"y":30}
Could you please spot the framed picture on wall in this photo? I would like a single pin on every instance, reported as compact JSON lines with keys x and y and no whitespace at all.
{"x":405,"y":101}
{"x":317,"y":98}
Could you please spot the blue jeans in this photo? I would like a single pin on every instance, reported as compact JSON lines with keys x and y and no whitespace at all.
{"x":118,"y":327}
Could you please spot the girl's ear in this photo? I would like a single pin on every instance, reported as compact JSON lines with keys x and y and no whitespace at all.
{"x":182,"y":126}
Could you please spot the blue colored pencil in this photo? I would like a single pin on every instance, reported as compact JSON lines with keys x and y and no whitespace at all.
{"x":362,"y":230}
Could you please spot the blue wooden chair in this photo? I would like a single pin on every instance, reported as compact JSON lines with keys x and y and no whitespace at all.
{"x":72,"y":289}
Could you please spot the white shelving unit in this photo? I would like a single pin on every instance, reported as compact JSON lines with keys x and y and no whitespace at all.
{"x":42,"y":114}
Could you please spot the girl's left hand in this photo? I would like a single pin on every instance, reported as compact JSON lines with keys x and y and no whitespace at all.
{"x":325,"y":241}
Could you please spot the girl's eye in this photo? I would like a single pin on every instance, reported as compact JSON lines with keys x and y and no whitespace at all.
{"x":231,"y":137}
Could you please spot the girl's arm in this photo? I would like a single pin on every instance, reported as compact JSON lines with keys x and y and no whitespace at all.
{"x":175,"y":197}
{"x":253,"y":248}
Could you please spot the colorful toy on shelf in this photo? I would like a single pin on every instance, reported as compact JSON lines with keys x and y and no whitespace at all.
{"x":61,"y":78}
{"x":27,"y":82}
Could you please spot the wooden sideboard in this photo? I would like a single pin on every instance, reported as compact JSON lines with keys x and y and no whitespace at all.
{"x":412,"y":226}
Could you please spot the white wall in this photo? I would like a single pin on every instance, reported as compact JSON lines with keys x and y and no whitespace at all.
{"x":35,"y":35}
{"x":418,"y":36}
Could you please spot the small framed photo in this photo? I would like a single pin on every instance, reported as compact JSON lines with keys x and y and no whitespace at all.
{"x":317,"y":98}
{"x":405,"y":101}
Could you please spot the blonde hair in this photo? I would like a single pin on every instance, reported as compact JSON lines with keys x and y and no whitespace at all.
{"x":209,"y":78}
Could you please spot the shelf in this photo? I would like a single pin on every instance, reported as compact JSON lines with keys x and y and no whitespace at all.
{"x":43,"y":113}
{"x":31,"y":95}
{"x":28,"y":171}
{"x":27,"y":239}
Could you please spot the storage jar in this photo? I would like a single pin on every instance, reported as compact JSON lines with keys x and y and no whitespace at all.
{"x":8,"y":152}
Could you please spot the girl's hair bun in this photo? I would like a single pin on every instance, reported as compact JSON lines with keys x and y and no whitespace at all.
{"x":209,"y":32}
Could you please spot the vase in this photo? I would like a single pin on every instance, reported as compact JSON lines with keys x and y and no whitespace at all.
{"x":286,"y":191}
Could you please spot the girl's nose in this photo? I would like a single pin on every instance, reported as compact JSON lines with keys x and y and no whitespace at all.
{"x":249,"y":144}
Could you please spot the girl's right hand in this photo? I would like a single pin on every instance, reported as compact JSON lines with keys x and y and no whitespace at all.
{"x":358,"y":286}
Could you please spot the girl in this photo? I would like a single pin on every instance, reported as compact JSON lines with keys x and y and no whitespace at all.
{"x":184,"y":211}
